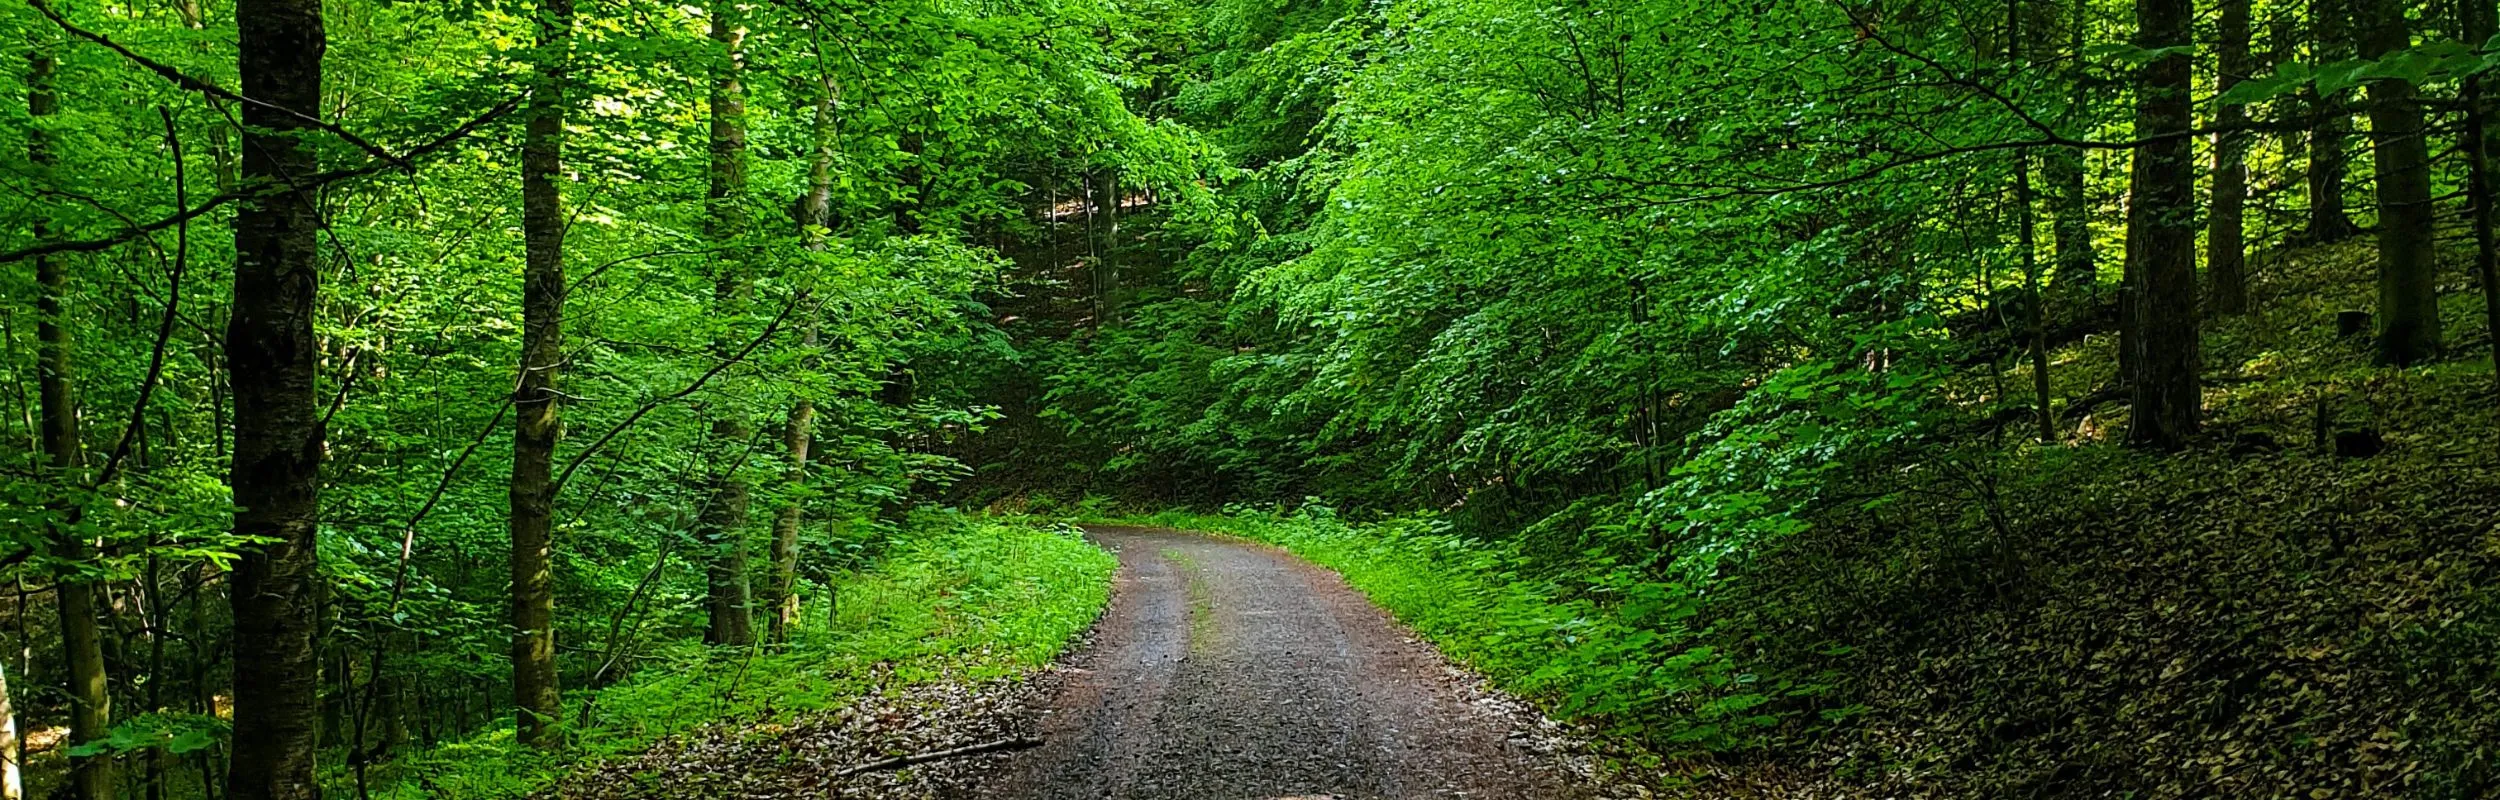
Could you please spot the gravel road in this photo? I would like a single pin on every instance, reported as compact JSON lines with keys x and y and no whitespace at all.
{"x":1228,"y":670}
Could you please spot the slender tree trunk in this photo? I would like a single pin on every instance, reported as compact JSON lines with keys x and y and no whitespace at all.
{"x":2063,"y":168}
{"x":271,"y":355}
{"x":537,"y":703}
{"x":723,"y":522}
{"x":2480,"y":22}
{"x":12,"y":784}
{"x":2028,"y":238}
{"x":1108,"y":291}
{"x":2161,"y":238}
{"x":815,"y":216}
{"x":2328,"y":222}
{"x":2226,"y":254}
{"x":2408,"y":268}
{"x":784,"y":594}
{"x":82,"y":641}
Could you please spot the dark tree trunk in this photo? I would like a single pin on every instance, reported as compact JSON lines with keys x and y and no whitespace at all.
{"x":82,"y":641}
{"x":2226,"y":254}
{"x":277,"y":430}
{"x":722,"y":529}
{"x":537,"y":703}
{"x":2063,"y":168}
{"x":2408,"y":268}
{"x":722,"y":525}
{"x":2027,"y":237}
{"x":2327,"y":220}
{"x":2070,"y":217}
{"x":2480,"y":20}
{"x":2161,"y":238}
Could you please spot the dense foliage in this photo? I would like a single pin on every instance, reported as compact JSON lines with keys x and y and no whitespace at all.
{"x":1998,"y":398}
{"x":1752,"y":377}
{"x":773,"y":229}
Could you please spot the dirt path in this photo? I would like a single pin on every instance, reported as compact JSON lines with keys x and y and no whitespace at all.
{"x":1228,"y":670}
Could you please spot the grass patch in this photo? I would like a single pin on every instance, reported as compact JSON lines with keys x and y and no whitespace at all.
{"x":976,"y":600}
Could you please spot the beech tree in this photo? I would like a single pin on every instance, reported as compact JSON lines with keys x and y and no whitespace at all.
{"x":2226,"y":254}
{"x":272,"y":356}
{"x":2408,"y":266}
{"x":2161,"y":237}
{"x":82,"y":641}
{"x":2330,"y":127}
{"x":723,"y":524}
{"x":538,"y":425}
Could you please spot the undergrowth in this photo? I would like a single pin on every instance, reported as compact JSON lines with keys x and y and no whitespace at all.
{"x":970,"y":600}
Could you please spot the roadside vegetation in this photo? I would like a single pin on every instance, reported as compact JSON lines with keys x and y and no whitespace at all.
{"x":957,"y":600}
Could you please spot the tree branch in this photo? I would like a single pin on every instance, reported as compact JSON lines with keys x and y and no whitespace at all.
{"x":723,"y":366}
{"x":213,"y":90}
{"x":309,"y":183}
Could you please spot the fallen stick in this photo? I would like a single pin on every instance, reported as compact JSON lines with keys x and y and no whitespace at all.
{"x":898,"y":762}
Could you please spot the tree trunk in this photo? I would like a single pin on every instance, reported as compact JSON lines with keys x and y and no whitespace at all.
{"x":722,"y":525}
{"x":784,"y":594}
{"x":2070,"y":216}
{"x":277,"y":429}
{"x":2327,"y":221}
{"x":2480,"y":21}
{"x":537,"y":703}
{"x":82,"y":642}
{"x":12,"y":785}
{"x":2226,"y":254}
{"x":2063,"y":168}
{"x":2408,"y":268}
{"x":815,"y":215}
{"x":2161,"y":238}
{"x":721,"y":528}
{"x":2027,"y":238}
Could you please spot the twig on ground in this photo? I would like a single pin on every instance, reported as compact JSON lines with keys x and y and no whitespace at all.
{"x":899,"y":762}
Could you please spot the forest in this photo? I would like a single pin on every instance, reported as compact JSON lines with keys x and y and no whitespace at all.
{"x":1763,"y":398}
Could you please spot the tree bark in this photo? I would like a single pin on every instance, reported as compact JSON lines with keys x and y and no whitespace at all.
{"x":2328,"y":222}
{"x":2226,"y":254}
{"x":2408,"y":268}
{"x":537,"y":702}
{"x":271,"y":355}
{"x":2480,"y":22}
{"x":722,"y":525}
{"x":2161,"y":238}
{"x":82,"y":642}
